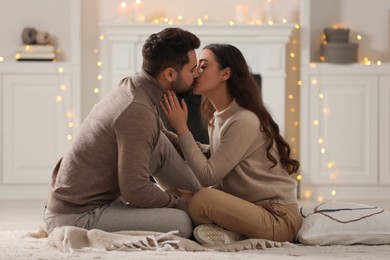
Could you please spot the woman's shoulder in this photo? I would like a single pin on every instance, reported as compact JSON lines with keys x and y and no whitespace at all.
{"x":247,"y":117}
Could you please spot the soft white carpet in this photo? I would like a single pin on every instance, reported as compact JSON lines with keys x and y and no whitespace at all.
{"x":16,"y":245}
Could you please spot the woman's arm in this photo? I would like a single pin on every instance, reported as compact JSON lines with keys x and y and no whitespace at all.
{"x":176,"y":113}
{"x":235,"y":139}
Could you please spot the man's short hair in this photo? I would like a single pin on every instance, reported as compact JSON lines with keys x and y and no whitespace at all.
{"x":168,"y":48}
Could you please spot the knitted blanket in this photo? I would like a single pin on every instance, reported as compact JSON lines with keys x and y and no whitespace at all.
{"x":72,"y":239}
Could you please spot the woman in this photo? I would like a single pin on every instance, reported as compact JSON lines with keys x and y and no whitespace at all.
{"x":250,"y":163}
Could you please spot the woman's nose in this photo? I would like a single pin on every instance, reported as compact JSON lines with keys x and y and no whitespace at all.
{"x":196,"y":73}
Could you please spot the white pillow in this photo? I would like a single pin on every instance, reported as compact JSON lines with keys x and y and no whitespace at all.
{"x":344,"y":223}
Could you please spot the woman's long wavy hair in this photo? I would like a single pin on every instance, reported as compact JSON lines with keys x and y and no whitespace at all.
{"x":242,"y":86}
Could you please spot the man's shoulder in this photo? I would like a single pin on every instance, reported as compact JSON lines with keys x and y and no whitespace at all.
{"x":130,"y":94}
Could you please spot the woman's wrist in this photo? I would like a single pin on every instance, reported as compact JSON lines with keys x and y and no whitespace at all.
{"x":181,"y":131}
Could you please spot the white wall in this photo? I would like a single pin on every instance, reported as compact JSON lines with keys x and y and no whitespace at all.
{"x":15,"y":15}
{"x":370,"y":19}
{"x":217,"y":10}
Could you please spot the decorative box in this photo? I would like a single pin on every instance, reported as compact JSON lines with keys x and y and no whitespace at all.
{"x":339,"y":52}
{"x":336,"y":35}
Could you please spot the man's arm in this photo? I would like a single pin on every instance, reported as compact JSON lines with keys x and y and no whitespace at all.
{"x":137,"y":133}
{"x":173,"y":138}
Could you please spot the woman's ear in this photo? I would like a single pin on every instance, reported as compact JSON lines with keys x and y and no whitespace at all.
{"x":170,"y":74}
{"x":226,"y":73}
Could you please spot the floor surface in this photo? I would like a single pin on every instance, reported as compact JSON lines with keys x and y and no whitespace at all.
{"x":20,"y":214}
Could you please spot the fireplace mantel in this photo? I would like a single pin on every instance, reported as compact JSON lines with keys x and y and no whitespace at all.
{"x":264,"y":47}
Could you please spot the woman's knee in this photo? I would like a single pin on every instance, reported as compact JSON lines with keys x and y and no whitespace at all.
{"x":199,"y":199}
{"x":205,"y":194}
{"x":200,"y":203}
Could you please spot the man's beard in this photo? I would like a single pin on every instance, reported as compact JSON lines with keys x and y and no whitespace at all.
{"x":177,"y":87}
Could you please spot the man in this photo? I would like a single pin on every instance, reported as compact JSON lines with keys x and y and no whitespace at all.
{"x":104,"y":182}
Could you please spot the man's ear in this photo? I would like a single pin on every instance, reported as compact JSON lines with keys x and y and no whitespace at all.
{"x":170,"y":74}
{"x":226,"y":73}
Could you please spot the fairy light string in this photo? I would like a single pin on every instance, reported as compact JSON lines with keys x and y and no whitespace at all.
{"x":62,"y":91}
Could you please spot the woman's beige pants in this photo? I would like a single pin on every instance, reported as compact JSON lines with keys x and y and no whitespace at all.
{"x":266,"y":219}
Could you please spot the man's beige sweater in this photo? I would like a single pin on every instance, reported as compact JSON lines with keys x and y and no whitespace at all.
{"x":110,"y":156}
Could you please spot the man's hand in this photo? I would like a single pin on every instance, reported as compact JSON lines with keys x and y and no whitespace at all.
{"x":186,"y":197}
